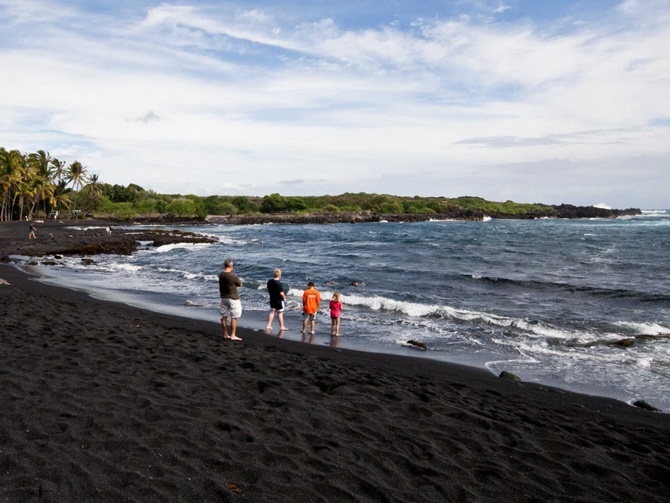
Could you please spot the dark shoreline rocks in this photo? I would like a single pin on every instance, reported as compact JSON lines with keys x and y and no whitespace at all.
{"x":561,"y":211}
{"x":86,"y":238}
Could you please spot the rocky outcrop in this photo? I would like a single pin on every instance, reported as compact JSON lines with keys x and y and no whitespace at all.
{"x":562,"y":211}
{"x":53,"y":239}
{"x":571,"y":211}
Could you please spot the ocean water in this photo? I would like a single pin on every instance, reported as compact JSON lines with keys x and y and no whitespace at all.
{"x":549,"y":300}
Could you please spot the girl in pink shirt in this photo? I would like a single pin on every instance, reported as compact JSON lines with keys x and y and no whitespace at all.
{"x":335,"y":310}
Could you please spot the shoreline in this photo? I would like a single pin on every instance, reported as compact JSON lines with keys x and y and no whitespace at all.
{"x":255,"y":322}
{"x":59,"y":238}
{"x":107,"y":402}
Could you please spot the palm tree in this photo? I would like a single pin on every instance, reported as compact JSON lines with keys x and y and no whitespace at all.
{"x":94,"y":185}
{"x":35,"y":182}
{"x":77,"y":175}
{"x":61,"y":196}
{"x":12,"y":174}
{"x":42,"y":161}
{"x":25,"y":191}
{"x":59,"y":169}
{"x":42,"y":191}
{"x":93,"y":190}
{"x":41,"y":179}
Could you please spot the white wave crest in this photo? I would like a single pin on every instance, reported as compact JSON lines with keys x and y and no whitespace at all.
{"x":89,"y":228}
{"x":125,"y":267}
{"x":644,"y":363}
{"x":185,"y":246}
{"x":645,"y":328}
{"x":418,"y":310}
{"x":182,"y":273}
{"x":230,"y":241}
{"x":382,"y":303}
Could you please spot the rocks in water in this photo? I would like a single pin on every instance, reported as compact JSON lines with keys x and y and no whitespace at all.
{"x":417,"y":344}
{"x":623,"y":343}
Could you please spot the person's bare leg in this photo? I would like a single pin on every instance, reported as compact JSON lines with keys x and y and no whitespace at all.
{"x":271,"y":317}
{"x":233,"y":328}
{"x":280,"y":317}
{"x":224,"y":327}
{"x":304,"y":325}
{"x":311,"y":324}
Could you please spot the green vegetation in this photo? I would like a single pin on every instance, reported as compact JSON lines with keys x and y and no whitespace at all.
{"x":35,"y":185}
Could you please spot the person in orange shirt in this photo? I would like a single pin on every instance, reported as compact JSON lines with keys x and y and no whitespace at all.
{"x":311,"y":298}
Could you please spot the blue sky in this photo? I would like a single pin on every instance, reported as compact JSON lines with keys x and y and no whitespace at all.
{"x":534,"y":101}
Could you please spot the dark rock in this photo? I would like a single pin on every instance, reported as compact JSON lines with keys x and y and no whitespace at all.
{"x":417,"y":344}
{"x":647,"y":406}
{"x":623,"y":343}
{"x":509,"y":376}
{"x":571,"y":211}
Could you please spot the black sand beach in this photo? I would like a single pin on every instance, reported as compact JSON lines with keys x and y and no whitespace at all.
{"x":104,"y":402}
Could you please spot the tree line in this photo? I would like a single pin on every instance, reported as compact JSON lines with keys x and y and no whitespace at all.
{"x":36,"y":185}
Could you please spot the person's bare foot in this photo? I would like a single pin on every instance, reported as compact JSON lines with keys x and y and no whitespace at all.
{"x":283,"y":328}
{"x":232,"y":337}
{"x":269,"y":327}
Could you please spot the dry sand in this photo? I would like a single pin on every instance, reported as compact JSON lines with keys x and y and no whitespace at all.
{"x":104,"y":402}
